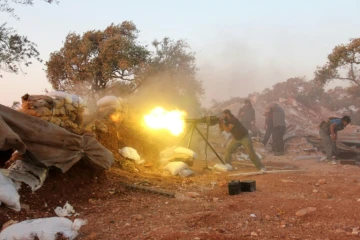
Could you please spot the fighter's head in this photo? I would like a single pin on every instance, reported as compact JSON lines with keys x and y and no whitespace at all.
{"x":346,"y":120}
{"x":227,"y":114}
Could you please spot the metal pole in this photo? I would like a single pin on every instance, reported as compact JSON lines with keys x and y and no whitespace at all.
{"x":207,"y":142}
{"x":191,"y":134}
{"x":207,"y":138}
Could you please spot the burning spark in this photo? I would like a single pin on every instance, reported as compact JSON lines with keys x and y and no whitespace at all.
{"x":159,"y":118}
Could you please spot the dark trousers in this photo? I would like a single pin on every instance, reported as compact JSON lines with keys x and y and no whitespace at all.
{"x":278,"y":138}
{"x":268,"y":133}
{"x":328,"y":144}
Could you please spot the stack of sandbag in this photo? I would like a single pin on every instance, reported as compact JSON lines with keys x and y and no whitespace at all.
{"x":60,"y":108}
{"x":178,"y":154}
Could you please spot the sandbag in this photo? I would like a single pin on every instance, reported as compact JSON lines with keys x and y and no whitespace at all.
{"x":43,"y":229}
{"x":108,"y":101}
{"x":58,"y":94}
{"x":130,"y":153}
{"x":43,"y":111}
{"x":69,"y":107}
{"x":108,"y":109}
{"x":8,"y":194}
{"x":58,"y":102}
{"x":39,"y":103}
{"x":21,"y":171}
{"x":77,"y":101}
{"x":175,"y":167}
{"x":185,"y":151}
{"x":30,"y":112}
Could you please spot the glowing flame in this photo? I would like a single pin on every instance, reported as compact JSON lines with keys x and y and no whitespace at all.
{"x":116,"y":117}
{"x":159,"y":118}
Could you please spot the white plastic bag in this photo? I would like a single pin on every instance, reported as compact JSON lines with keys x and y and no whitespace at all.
{"x":223,"y":167}
{"x":130,"y":153}
{"x":108,"y":101}
{"x":43,"y":229}
{"x":175,"y":167}
{"x":66,"y":211}
{"x":8,"y":194}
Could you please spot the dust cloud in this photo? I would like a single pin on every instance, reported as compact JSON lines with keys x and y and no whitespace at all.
{"x":235,"y":68}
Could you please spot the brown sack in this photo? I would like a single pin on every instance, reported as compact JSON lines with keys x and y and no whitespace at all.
{"x":69,"y":108}
{"x":30,"y":112}
{"x":48,"y":143}
{"x":58,"y":103}
{"x":43,"y":111}
{"x":39,"y":103}
{"x":28,"y":97}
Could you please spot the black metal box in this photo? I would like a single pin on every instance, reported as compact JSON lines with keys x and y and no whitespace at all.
{"x":248,"y":186}
{"x":234,"y":187}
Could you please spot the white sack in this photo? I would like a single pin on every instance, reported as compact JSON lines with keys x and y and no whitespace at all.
{"x":185,"y":151}
{"x":108,"y":101}
{"x":8,"y":194}
{"x":130,"y":153}
{"x":43,"y":228}
{"x":175,"y":167}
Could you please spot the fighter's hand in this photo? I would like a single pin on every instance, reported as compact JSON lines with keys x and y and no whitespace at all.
{"x":333,"y":137}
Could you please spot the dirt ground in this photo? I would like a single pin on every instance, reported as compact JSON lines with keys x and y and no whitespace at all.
{"x":202,"y":208}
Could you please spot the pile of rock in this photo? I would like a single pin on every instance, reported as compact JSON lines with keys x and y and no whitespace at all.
{"x":60,"y":108}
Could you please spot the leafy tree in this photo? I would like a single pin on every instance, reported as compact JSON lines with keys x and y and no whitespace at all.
{"x":15,"y":50}
{"x":342,"y":64}
{"x":97,"y":59}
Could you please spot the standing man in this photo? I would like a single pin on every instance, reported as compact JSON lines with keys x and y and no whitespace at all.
{"x":246,"y":116}
{"x":268,"y":125}
{"x":240,"y":134}
{"x":328,"y":133}
{"x":279,"y":129}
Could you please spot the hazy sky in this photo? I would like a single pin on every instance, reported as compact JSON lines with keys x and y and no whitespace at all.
{"x":241,"y":46}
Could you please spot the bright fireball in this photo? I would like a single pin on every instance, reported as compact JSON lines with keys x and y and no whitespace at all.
{"x":173,"y":120}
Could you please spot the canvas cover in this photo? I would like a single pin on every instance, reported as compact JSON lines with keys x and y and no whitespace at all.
{"x":46,"y":144}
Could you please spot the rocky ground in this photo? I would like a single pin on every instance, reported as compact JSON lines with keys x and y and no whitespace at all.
{"x":202,"y":208}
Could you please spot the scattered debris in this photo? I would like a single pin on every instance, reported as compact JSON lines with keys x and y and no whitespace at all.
{"x":305,"y":211}
{"x":322,"y":181}
{"x":66,"y":211}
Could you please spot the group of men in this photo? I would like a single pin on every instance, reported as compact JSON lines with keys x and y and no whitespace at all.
{"x":275,"y":125}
